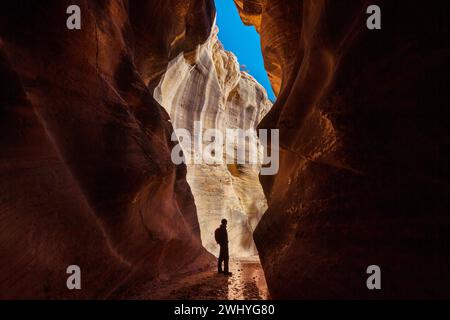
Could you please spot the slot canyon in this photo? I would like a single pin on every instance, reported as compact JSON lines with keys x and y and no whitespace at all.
{"x":226,"y":98}
{"x":86,"y":124}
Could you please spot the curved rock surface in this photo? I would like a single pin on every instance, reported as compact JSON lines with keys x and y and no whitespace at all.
{"x":210,"y":89}
{"x":364,"y":175}
{"x":86,"y":173}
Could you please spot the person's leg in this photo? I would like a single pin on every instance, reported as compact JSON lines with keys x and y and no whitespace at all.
{"x":225,"y":261}
{"x":219,"y":265}
{"x":219,"y":262}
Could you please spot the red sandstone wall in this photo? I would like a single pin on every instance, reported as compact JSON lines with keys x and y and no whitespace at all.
{"x":86,"y":175}
{"x":364,"y":177}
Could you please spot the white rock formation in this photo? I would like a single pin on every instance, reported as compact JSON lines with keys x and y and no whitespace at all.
{"x":211,"y":89}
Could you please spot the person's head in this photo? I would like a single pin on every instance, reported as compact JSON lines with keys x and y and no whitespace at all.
{"x":224,"y":222}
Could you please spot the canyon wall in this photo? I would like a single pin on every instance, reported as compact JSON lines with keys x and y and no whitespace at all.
{"x":85,"y":167}
{"x":364,"y":133}
{"x":209,"y":90}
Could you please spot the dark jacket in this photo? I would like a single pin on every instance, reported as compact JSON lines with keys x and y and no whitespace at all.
{"x":222,"y":236}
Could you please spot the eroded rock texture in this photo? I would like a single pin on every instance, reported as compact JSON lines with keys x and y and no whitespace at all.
{"x":364,"y":174}
{"x":210,"y":89}
{"x":86,"y":174}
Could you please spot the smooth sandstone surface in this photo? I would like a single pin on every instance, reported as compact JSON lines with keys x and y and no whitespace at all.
{"x":364,"y":176}
{"x":211,"y":90}
{"x":85,"y":167}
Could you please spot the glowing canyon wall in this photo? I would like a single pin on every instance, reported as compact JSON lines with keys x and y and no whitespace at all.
{"x":212,"y":91}
{"x":364,"y":175}
{"x":85,"y":167}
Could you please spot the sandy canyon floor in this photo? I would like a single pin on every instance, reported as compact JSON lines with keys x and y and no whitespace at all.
{"x":246,"y":283}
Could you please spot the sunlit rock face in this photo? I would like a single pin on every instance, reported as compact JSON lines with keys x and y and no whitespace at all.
{"x":86,"y":173}
{"x":363,"y":118}
{"x":279,"y":27}
{"x":209,"y":89}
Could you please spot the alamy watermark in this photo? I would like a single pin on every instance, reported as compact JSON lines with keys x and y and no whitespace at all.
{"x":227,"y":146}
{"x":74,"y":280}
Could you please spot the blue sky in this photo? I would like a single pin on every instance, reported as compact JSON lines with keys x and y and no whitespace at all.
{"x":243,"y":41}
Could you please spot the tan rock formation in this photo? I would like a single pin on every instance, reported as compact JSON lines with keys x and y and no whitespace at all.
{"x":364,"y":173}
{"x":213,"y":91}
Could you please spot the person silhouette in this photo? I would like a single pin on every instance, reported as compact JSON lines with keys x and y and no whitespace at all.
{"x":221,"y":236}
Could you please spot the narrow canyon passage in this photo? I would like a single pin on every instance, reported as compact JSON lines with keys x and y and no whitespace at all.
{"x":86,"y":119}
{"x":209,"y":94}
{"x":212,"y":91}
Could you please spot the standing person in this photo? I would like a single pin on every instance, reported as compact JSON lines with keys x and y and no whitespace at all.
{"x":221,"y":236}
